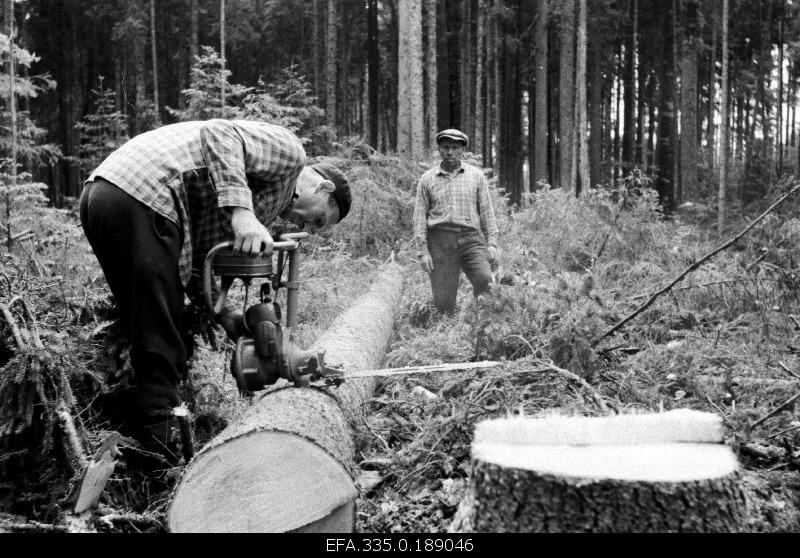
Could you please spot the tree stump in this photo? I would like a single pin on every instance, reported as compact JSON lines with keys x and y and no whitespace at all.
{"x":287,"y":465}
{"x":667,"y":472}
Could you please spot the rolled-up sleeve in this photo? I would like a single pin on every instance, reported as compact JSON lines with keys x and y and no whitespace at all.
{"x":420,"y":219}
{"x":486,"y":212}
{"x":224,"y":153}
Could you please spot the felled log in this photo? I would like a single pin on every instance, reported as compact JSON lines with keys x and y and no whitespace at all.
{"x":288,"y":464}
{"x":667,"y":472}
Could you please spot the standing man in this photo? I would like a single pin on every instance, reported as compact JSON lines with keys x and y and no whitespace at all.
{"x":158,"y":204}
{"x":452,"y":209}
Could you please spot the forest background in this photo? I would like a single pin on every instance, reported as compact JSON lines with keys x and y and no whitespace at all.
{"x":623,"y":140}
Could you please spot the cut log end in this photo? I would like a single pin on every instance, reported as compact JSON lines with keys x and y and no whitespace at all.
{"x":674,"y":462}
{"x":264,"y":481}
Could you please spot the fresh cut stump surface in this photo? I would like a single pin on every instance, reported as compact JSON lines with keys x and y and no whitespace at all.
{"x":667,"y":472}
{"x":287,"y":464}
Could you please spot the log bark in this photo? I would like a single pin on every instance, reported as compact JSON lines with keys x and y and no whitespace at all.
{"x":288,"y":464}
{"x":636,"y":473}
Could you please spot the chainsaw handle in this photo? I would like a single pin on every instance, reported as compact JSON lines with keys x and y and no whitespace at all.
{"x":208,"y":264}
{"x":290,"y":244}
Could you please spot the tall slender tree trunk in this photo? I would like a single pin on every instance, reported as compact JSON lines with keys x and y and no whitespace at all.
{"x":596,"y":108}
{"x":629,"y":79}
{"x":154,"y":55}
{"x":566,"y":90}
{"x":331,"y":60}
{"x":539,"y":170}
{"x":373,"y":69}
{"x":763,"y":74}
{"x":582,"y":148}
{"x":498,"y":83}
{"x":316,"y":39}
{"x":194,"y":41}
{"x":194,"y":30}
{"x":723,"y":159}
{"x":443,"y":55}
{"x":779,"y":135}
{"x":410,"y":101}
{"x":467,"y":76}
{"x":665,"y":152}
{"x":480,"y":82}
{"x":12,"y":113}
{"x":688,"y":69}
{"x":619,"y":123}
{"x":712,"y":86}
{"x":649,"y":152}
{"x":432,"y":74}
{"x":139,"y":40}
{"x":222,"y":53}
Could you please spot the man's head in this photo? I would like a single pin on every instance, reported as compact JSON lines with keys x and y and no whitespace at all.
{"x":451,"y":144}
{"x":323,"y":198}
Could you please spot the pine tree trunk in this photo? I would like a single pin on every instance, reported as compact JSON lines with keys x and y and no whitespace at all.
{"x":468,"y":77}
{"x":194,"y":31}
{"x":443,"y":68}
{"x":629,"y":78}
{"x":566,"y":92}
{"x":779,"y":128}
{"x":331,"y":60}
{"x":154,"y":55}
{"x":480,"y":83}
{"x":689,"y":145}
{"x":140,"y":69}
{"x":582,"y":147}
{"x":665,"y":152}
{"x":540,"y":151}
{"x":410,"y":101}
{"x":12,"y":113}
{"x":432,"y":74}
{"x":723,"y":158}
{"x":316,"y":38}
{"x":712,"y":86}
{"x":497,"y":49}
{"x":619,"y":118}
{"x":373,"y":70}
{"x":222,"y":54}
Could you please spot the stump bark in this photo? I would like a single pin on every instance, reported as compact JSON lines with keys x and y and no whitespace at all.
{"x":287,"y":465}
{"x":668,"y":472}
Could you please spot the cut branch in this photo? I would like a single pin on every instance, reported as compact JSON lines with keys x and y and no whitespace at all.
{"x":695,"y":265}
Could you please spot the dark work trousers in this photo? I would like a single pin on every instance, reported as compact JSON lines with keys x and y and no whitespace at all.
{"x":138,"y":250}
{"x":454,"y":249}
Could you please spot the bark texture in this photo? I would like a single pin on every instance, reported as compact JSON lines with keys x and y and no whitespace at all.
{"x":288,"y":463}
{"x":515,"y":500}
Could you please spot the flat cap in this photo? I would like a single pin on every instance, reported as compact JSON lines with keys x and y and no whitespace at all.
{"x":342,"y":193}
{"x":453,"y":134}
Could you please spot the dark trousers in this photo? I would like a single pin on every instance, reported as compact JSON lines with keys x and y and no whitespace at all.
{"x":453,"y":250}
{"x":138,"y":250}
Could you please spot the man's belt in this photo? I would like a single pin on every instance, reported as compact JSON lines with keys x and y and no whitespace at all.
{"x":451,"y":227}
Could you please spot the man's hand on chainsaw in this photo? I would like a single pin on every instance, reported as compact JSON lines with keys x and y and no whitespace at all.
{"x":250,"y":236}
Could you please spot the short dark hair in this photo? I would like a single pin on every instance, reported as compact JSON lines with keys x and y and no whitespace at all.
{"x":341,"y":194}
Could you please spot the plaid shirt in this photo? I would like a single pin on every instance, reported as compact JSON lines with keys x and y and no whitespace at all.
{"x":461,"y":198}
{"x":189,"y":172}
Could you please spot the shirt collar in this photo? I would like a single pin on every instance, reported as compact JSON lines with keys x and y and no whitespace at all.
{"x":440,"y":169}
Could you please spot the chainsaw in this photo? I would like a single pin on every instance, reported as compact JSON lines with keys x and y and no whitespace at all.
{"x":264,"y":353}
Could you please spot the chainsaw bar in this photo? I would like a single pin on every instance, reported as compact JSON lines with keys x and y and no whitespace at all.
{"x":335,"y":375}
